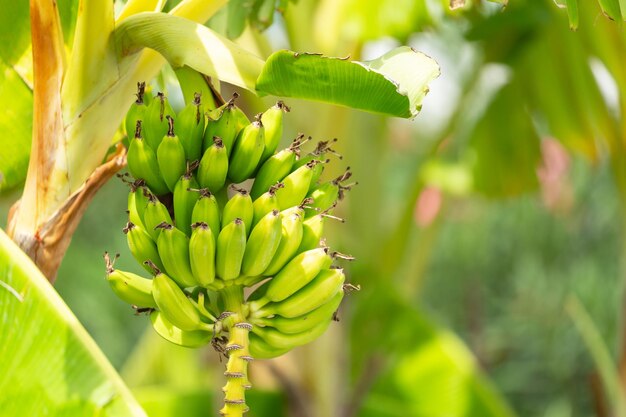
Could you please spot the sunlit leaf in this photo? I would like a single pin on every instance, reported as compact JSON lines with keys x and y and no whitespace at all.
{"x":49,"y":365}
{"x":16,"y":126}
{"x":183,"y":42}
{"x":394,"y":84}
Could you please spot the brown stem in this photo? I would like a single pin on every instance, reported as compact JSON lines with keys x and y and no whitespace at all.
{"x":47,"y":246}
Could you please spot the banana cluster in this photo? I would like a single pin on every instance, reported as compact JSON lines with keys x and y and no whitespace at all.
{"x":213,"y":209}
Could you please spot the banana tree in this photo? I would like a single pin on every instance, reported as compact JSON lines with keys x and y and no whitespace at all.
{"x":85,"y":64}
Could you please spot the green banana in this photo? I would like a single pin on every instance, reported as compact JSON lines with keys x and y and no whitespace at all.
{"x":190,"y":128}
{"x":202,"y":254}
{"x":227,"y":125}
{"x":143,"y":163}
{"x":263,"y":14}
{"x":276,"y":168}
{"x":207,"y":211}
{"x":173,"y":248}
{"x":319,"y":154}
{"x":296,"y":186}
{"x":266,"y":203}
{"x":129,"y":287}
{"x":279,"y":340}
{"x":155,"y":214}
{"x":142,"y":246}
{"x":231,"y":246}
{"x":262,"y":244}
{"x":291,"y":236}
{"x":312,"y":229}
{"x":239,"y":206}
{"x":304,"y":322}
{"x":247,"y":152}
{"x":173,"y":334}
{"x":171,"y":156}
{"x":184,"y":201}
{"x":174,"y":304}
{"x":272,"y":120}
{"x":327,"y":194}
{"x":155,"y":122}
{"x":137,"y":202}
{"x":316,"y":293}
{"x":295,"y":275}
{"x":260,"y":349}
{"x":136,"y":112}
{"x":213,"y":166}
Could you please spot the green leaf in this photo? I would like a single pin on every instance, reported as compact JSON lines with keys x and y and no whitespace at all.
{"x":505,"y":147}
{"x":394,"y":84}
{"x":16,"y":128}
{"x":183,"y":42}
{"x":49,"y":365}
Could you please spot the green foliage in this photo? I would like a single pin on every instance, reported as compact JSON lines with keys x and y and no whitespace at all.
{"x":50,"y":364}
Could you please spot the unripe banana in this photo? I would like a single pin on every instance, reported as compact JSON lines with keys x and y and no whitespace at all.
{"x":266,"y":203}
{"x":171,"y":157}
{"x":173,"y":248}
{"x":129,"y":287}
{"x":262,"y":244}
{"x":184,"y":201}
{"x":279,"y":340}
{"x":316,"y":293}
{"x":264,"y":14}
{"x":174,"y":304}
{"x":213,"y":166}
{"x":231,"y":246}
{"x":137,"y":202}
{"x":155,"y":214}
{"x":304,"y":322}
{"x":276,"y":168}
{"x":260,"y":349}
{"x":247,"y":152}
{"x":202,"y":254}
{"x":312,"y":229}
{"x":295,"y":275}
{"x":239,"y":206}
{"x":207,"y":211}
{"x":190,"y":128}
{"x":326,"y":195}
{"x":142,"y":246}
{"x":319,"y":154}
{"x":136,"y":112}
{"x":296,"y":186}
{"x":173,"y":334}
{"x":228,"y":124}
{"x":143,"y":164}
{"x":272,"y":119}
{"x":155,"y":122}
{"x":291,"y":236}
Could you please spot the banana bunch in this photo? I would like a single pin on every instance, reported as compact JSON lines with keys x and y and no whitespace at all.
{"x":213,"y":209}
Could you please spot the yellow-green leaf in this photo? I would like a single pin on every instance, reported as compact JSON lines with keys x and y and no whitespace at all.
{"x":394,"y":84}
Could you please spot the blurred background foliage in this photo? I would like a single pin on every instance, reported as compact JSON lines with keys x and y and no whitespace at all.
{"x":474,"y":226}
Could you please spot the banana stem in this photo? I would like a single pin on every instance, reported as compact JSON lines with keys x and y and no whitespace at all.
{"x":238,"y":354}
